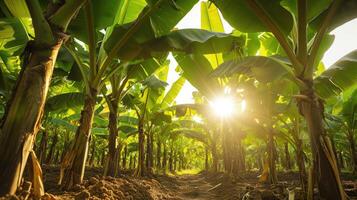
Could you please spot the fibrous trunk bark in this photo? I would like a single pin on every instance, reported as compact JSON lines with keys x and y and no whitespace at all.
{"x":92,"y":155}
{"x":73,"y":164}
{"x":353,"y":150}
{"x":301,"y":164}
{"x":328,"y":178}
{"x":206,"y":159}
{"x":158,"y":155}
{"x":214,"y":155}
{"x":141,"y":158}
{"x":149,"y":153}
{"x":111,"y":162}
{"x":52,"y":149}
{"x":22,"y":118}
{"x":272,"y":159}
{"x":287,"y":156}
{"x":42,"y":148}
{"x":164,"y":159}
{"x":125,"y":154}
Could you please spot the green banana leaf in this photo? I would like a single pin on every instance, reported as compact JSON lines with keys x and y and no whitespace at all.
{"x":339,"y":77}
{"x":240,"y":16}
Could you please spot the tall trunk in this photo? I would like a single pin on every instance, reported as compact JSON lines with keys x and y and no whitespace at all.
{"x":342,"y":164}
{"x":56,"y":157}
{"x":175,"y":161}
{"x":328,"y":178}
{"x":113,"y":132}
{"x":260,"y":161}
{"x":301,"y":164}
{"x":287,"y":156}
{"x":141,"y":158}
{"x":74,"y":162}
{"x":272,"y":159}
{"x":206,"y":159}
{"x":22,"y":118}
{"x":102,"y":159}
{"x":134,"y":163}
{"x":149,"y":153}
{"x":164,"y":159}
{"x":171,"y":167}
{"x":182,"y":160}
{"x":117,"y":158}
{"x":353,"y":150}
{"x":125,"y":154}
{"x":214,"y":154}
{"x":227,"y":151}
{"x":131,"y":162}
{"x":42,"y":148}
{"x":52,"y":149}
{"x":238,"y":165}
{"x":92,"y":155}
{"x":158,"y":155}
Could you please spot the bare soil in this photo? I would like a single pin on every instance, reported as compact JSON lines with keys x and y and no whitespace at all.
{"x":202,"y":186}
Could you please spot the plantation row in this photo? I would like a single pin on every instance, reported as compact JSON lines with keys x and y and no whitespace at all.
{"x":85,"y":83}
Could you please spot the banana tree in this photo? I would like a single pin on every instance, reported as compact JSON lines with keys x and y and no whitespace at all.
{"x":344,"y":121}
{"x":130,"y":39}
{"x":304,"y":47}
{"x":23,"y":114}
{"x":121,"y":83}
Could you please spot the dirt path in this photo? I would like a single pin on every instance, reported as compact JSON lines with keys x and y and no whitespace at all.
{"x":190,"y":187}
{"x":194,"y":187}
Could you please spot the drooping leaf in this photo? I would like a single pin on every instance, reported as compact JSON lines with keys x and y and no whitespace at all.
{"x":126,"y":119}
{"x":345,"y":12}
{"x":13,"y":36}
{"x":314,"y":8}
{"x":154,"y":83}
{"x":65,"y":101}
{"x":129,"y":10}
{"x":211,"y":21}
{"x":103,"y":16}
{"x":173,"y":92}
{"x":339,"y":77}
{"x":64,"y":123}
{"x":18,"y":8}
{"x":127,"y":129}
{"x":242,"y":17}
{"x":185,"y":40}
{"x":264,"y":69}
{"x":196,"y":41}
{"x":155,"y":20}
{"x":196,"y":70}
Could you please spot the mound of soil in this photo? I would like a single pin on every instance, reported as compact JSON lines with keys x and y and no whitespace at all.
{"x":118,"y":188}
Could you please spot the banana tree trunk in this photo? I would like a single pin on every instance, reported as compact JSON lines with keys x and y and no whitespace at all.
{"x":272,"y":159}
{"x":73,"y":164}
{"x":214,"y":155}
{"x":92,"y":155}
{"x":206,"y":159}
{"x":301,"y":164}
{"x":113,"y":132}
{"x":287,"y":156}
{"x":149,"y":153}
{"x":158,"y":155}
{"x":164,"y":159}
{"x":171,"y":167}
{"x":353,"y":150}
{"x":42,"y":148}
{"x":125,"y":154}
{"x":52,"y":149}
{"x":141,"y":158}
{"x":23,"y":115}
{"x":328,"y":178}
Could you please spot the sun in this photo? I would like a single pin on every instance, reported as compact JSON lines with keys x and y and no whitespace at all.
{"x":223,"y":106}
